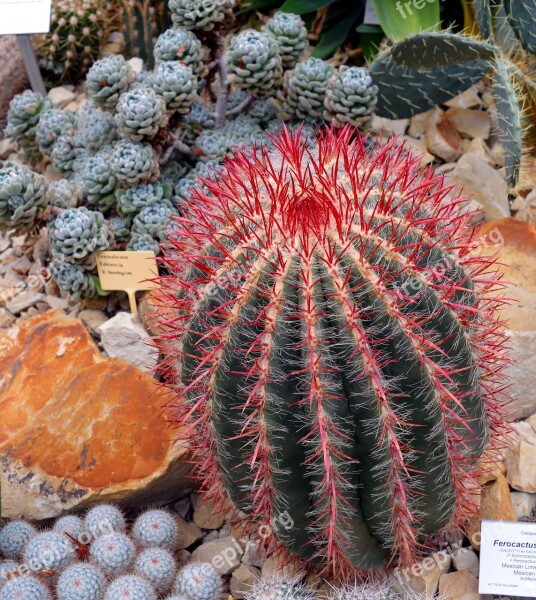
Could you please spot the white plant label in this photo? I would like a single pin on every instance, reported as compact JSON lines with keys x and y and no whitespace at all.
{"x":370,"y":14}
{"x":24,"y":16}
{"x":508,"y":559}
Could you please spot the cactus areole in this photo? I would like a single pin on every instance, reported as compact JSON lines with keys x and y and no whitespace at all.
{"x":333,"y":342}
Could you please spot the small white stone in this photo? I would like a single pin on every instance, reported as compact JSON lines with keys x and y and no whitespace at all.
{"x":61,"y":96}
{"x":136,"y":64}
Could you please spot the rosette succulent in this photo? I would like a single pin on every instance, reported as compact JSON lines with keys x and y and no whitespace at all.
{"x":254,"y":61}
{"x":120,"y":227}
{"x":63,"y":193}
{"x":133,"y":162}
{"x":140,"y":113}
{"x":211,"y":145}
{"x":179,"y":44}
{"x":200,"y":14}
{"x":290,"y":34}
{"x":350,"y":97}
{"x":133,"y":199}
{"x":73,"y":279}
{"x":66,"y":150}
{"x":154,"y":219}
{"x":199,"y":118}
{"x":53,"y":123}
{"x":78,"y":232}
{"x":98,"y":129}
{"x":143,"y":242}
{"x":98,"y":182}
{"x":22,"y":197}
{"x":23,"y":116}
{"x":176,"y":84}
{"x":305,"y":87}
{"x":131,"y":587}
{"x":107,"y":79}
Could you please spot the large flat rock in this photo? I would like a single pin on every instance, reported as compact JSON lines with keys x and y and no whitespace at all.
{"x":76,"y":427}
{"x":515,"y":241}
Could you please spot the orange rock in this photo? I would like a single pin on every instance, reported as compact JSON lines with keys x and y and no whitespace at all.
{"x":515,"y":243}
{"x":76,"y":427}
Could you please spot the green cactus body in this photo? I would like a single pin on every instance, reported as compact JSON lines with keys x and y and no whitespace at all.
{"x":337,"y":348}
{"x":522,"y":18}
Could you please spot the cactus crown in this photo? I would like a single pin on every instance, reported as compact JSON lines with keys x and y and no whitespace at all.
{"x":337,"y":346}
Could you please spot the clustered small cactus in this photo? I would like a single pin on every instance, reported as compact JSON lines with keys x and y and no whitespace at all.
{"x":78,"y":31}
{"x":97,"y":557}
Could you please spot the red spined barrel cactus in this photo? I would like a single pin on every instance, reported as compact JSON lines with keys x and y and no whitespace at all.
{"x":333,"y":340}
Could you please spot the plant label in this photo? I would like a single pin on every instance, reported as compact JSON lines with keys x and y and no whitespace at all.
{"x":371,"y":18}
{"x":24,"y":16}
{"x":508,"y":559}
{"x":128,"y":272}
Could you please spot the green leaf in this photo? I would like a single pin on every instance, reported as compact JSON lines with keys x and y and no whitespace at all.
{"x":301,"y":7}
{"x":98,"y":286}
{"x":430,"y":49}
{"x":399,"y":19}
{"x":334,"y":38}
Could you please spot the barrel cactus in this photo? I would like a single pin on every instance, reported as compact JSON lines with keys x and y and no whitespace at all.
{"x":337,"y":348}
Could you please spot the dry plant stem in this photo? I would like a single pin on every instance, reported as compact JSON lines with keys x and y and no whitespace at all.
{"x":176,"y":144}
{"x":244,"y":104}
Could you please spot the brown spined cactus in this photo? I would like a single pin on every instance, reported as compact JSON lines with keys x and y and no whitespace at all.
{"x":337,"y":356}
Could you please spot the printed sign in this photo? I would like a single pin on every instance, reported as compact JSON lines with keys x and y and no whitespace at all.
{"x":128,"y":272}
{"x":24,"y":16}
{"x":508,"y":559}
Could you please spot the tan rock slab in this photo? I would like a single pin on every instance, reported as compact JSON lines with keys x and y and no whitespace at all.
{"x":515,"y":242}
{"x":223,"y":553}
{"x":206,"y":515}
{"x":243,"y":579}
{"x":452,"y":586}
{"x":77,"y":428}
{"x":521,"y":459}
{"x":422,"y":577}
{"x":442,"y":139}
{"x":465,"y":559}
{"x":277,"y":566}
{"x":470,"y":123}
{"x":189,"y":533}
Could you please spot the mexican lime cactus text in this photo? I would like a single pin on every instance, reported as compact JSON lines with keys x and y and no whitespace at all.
{"x":336,"y":347}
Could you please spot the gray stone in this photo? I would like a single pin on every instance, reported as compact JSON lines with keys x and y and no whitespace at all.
{"x":524,"y":505}
{"x":182,"y":507}
{"x":62,"y":95}
{"x":57,"y":303}
{"x":136,"y":64}
{"x":23,"y":301}
{"x":206,"y":515}
{"x":465,"y":559}
{"x":189,"y":533}
{"x":224,"y":554}
{"x":253,"y":554}
{"x":92,"y":319}
{"x":123,"y":337}
{"x":6,"y":318}
{"x":485,"y":185}
{"x":242,"y":580}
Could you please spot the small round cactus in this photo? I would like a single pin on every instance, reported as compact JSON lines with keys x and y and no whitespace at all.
{"x":140,"y":113}
{"x":254,"y":61}
{"x":53,"y":123}
{"x":179,"y":44}
{"x":48,"y":550}
{"x":78,"y":232}
{"x":81,"y":582}
{"x":279,"y":589}
{"x":290,"y":34}
{"x":200,"y":14}
{"x":156,"y":527}
{"x":131,"y":587}
{"x":113,"y":553}
{"x":133,"y":162}
{"x":105,"y":518}
{"x":350,"y":97}
{"x":107,"y":79}
{"x":132,"y":200}
{"x":158,"y":566}
{"x":63,"y":194}
{"x":198,"y":581}
{"x":305,"y":87}
{"x":13,"y":538}
{"x":374,"y":590}
{"x":22,"y":197}
{"x":153,"y":220}
{"x":25,"y":588}
{"x":143,"y":242}
{"x":70,"y":524}
{"x":176,"y":84}
{"x":98,"y":182}
{"x":73,"y":279}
